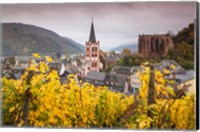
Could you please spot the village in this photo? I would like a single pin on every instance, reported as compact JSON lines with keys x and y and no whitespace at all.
{"x":89,"y":68}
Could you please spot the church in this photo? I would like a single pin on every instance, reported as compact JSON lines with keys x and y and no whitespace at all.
{"x":92,"y":48}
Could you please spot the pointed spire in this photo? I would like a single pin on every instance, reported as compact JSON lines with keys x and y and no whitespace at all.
{"x":92,"y":33}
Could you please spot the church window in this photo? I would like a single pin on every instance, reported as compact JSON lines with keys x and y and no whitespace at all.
{"x":88,"y":49}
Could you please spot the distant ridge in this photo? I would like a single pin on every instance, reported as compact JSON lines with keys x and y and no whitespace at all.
{"x":24,"y":39}
{"x":132,"y":47}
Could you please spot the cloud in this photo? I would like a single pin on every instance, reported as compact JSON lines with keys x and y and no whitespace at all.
{"x":115,"y":23}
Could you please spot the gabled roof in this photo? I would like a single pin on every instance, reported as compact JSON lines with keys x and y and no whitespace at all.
{"x":92,"y":37}
{"x":121,"y":70}
{"x":189,"y":75}
{"x":71,"y":70}
{"x":136,"y":68}
{"x":96,"y":75}
{"x":166,"y":63}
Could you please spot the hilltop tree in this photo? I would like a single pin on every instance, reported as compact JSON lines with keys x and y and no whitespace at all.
{"x":126,"y":51}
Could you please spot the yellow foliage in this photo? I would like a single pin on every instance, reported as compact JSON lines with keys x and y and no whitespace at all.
{"x":167,"y":111}
{"x":49,"y":59}
{"x":36,"y":55}
{"x":11,"y":109}
{"x":53,"y":104}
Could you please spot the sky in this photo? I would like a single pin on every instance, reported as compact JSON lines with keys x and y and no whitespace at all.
{"x":115,"y":23}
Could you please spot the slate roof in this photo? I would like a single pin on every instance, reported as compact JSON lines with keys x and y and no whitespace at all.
{"x":96,"y":75}
{"x":55,"y":66}
{"x":136,"y":68}
{"x":121,"y":70}
{"x":92,"y":37}
{"x":166,"y":63}
{"x":71,"y":70}
{"x":184,"y":77}
{"x":65,"y":62}
{"x":17,"y":72}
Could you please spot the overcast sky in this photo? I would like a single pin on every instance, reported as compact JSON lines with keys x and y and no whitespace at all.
{"x":114,"y":23}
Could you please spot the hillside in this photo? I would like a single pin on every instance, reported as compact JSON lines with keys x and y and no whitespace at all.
{"x":183,"y":52}
{"x":185,"y":35}
{"x":23,"y":39}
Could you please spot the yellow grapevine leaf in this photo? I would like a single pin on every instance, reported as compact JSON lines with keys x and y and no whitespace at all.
{"x":170,"y":90}
{"x":166,"y":71}
{"x":11,"y":109}
{"x":142,"y":124}
{"x":172,"y":66}
{"x":21,"y":123}
{"x":49,"y":59}
{"x":36,"y":55}
{"x":146,"y":63}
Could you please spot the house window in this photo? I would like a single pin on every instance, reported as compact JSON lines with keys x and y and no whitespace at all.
{"x":95,"y":48}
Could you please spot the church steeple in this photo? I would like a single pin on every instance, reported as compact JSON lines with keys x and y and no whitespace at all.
{"x":92,"y":34}
{"x":92,"y":48}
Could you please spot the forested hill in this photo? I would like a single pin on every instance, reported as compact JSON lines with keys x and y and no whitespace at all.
{"x":23,"y":39}
{"x":183,"y":51}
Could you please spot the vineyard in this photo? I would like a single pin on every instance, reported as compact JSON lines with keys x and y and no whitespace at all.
{"x":38,"y":99}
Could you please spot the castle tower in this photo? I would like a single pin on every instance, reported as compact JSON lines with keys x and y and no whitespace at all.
{"x":92,"y":52}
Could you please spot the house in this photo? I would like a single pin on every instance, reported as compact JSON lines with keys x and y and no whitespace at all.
{"x":14,"y":73}
{"x":59,"y":67}
{"x":116,"y":82}
{"x":8,"y":62}
{"x":17,"y":72}
{"x":96,"y":78}
{"x":184,"y":79}
{"x":179,"y":75}
{"x":135,"y":78}
{"x":63,"y":72}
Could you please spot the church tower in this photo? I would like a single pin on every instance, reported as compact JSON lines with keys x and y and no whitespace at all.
{"x":92,"y":52}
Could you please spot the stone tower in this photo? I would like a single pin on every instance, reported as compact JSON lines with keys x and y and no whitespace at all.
{"x":92,"y":52}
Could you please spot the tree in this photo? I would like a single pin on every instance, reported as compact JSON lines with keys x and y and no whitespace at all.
{"x":126,"y":51}
{"x":102,"y":60}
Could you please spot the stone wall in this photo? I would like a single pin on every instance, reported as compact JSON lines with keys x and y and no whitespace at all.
{"x":151,"y":45}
